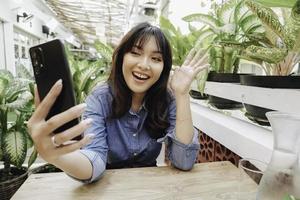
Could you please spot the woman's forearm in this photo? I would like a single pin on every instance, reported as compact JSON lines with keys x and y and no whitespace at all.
{"x":75,"y":164}
{"x":184,"y":125}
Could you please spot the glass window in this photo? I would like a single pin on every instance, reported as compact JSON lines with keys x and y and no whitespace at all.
{"x":22,"y":42}
{"x":17,"y":51}
{"x":23,"y":52}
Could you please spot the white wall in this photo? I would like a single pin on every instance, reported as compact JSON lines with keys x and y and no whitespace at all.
{"x":4,"y":12}
{"x":250,"y":68}
{"x":2,"y":56}
{"x":5,"y":55}
{"x":8,"y":14}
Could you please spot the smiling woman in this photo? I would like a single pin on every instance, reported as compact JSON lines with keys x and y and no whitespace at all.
{"x":127,"y":118}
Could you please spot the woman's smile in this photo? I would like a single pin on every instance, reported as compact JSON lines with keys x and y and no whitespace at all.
{"x":140,"y":77}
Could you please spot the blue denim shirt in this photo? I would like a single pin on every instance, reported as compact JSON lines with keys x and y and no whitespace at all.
{"x":124,"y":142}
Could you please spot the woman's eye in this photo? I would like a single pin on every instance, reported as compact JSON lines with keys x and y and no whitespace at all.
{"x":135,"y":53}
{"x":157,"y":59}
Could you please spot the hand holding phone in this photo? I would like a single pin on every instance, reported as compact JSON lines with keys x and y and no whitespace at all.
{"x":41,"y":131}
{"x":50,"y":65}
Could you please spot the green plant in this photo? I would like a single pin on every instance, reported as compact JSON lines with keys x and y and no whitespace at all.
{"x":282,"y":53}
{"x":180,"y":43}
{"x":16,"y":107}
{"x":231,"y":27}
{"x":87,"y":74}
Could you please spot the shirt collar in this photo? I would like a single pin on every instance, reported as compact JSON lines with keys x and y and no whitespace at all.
{"x":142,"y":107}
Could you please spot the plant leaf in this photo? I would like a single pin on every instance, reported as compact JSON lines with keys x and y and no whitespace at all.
{"x":32,"y":157}
{"x":23,"y":72}
{"x":248,"y":23}
{"x":226,"y":12}
{"x":3,"y":86}
{"x":167,"y":25}
{"x":292,"y":29}
{"x":201,"y":80}
{"x":23,"y":98}
{"x":270,"y":55}
{"x":206,"y":19}
{"x":15,"y":146}
{"x":267,"y":17}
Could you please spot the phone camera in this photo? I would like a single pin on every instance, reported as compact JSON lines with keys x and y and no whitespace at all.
{"x":37,"y":60}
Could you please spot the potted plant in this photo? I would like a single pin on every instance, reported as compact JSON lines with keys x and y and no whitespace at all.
{"x":16,"y":107}
{"x":230,"y":27}
{"x":278,"y":52}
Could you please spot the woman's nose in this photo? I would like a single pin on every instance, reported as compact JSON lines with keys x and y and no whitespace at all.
{"x":144,"y":64}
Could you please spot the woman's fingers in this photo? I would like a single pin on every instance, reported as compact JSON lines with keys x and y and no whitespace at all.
{"x":45,"y":106}
{"x":36,"y":97}
{"x":64,"y":117}
{"x":67,"y":135}
{"x":75,"y":145}
{"x":189,"y":57}
{"x":197,"y":57}
{"x":203,"y":60}
{"x":200,"y":68}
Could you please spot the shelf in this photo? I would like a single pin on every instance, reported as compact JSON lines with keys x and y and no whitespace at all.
{"x":230,"y":129}
{"x":285,"y":100}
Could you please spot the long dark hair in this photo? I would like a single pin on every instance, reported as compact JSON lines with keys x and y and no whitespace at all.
{"x":157,"y":97}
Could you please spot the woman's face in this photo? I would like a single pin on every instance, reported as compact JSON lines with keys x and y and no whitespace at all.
{"x":142,"y":67}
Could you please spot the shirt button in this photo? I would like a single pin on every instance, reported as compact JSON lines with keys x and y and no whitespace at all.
{"x":134,"y":135}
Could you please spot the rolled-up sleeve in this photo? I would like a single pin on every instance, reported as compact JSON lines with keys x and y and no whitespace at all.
{"x":96,"y":151}
{"x":182,"y":156}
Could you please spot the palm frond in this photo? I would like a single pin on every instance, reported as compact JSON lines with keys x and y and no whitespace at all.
{"x":206,"y":19}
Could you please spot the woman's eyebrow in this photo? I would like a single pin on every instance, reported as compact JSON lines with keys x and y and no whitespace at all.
{"x":141,"y":48}
{"x":138,"y":47}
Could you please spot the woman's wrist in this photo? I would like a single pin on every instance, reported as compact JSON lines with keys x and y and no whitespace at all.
{"x":182,"y":95}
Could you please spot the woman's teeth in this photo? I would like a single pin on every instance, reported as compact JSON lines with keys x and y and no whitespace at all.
{"x":140,"y":76}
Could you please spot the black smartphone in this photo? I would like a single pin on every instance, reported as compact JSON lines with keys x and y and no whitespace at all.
{"x":50,"y":64}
